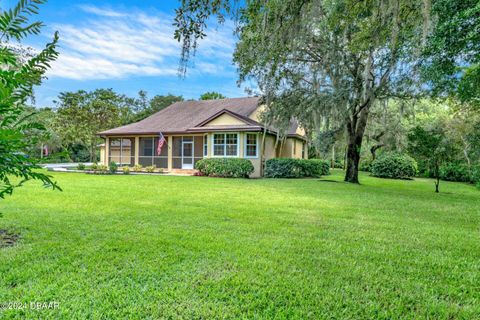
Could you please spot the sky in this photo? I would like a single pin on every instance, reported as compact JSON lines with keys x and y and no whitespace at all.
{"x":128,"y":46}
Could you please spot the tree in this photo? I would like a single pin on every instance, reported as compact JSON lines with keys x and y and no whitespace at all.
{"x":431,"y":145}
{"x":212,"y":96}
{"x":81,"y":115}
{"x":452,"y":57}
{"x":155,"y":104}
{"x":314,"y":59}
{"x":18,"y":76}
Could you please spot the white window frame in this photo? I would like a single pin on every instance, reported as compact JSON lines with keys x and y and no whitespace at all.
{"x":246,"y":144}
{"x":205,"y":146}
{"x":225,"y":145}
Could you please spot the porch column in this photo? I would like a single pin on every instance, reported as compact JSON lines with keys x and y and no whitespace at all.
{"x":241,"y":137}
{"x":209,"y":146}
{"x":107,"y":150}
{"x":137,"y":149}
{"x":170,"y":152}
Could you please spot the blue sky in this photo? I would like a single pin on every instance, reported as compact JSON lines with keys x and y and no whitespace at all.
{"x":129,"y":46}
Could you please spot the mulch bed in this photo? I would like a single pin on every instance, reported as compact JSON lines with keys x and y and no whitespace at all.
{"x":8,"y":239}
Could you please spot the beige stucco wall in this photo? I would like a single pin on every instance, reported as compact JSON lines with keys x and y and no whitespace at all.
{"x":292,"y":148}
{"x":224,"y":120}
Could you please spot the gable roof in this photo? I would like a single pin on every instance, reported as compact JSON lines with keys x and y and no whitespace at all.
{"x":194,"y":116}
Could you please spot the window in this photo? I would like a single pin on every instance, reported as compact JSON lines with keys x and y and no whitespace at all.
{"x":251,"y":146}
{"x":295,"y":147}
{"x":148,"y":153}
{"x":121,"y":151}
{"x":205,"y":145}
{"x":303,"y":150}
{"x":225,"y":145}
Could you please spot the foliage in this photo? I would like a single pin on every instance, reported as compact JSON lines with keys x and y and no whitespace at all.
{"x":81,"y":166}
{"x":452,"y":57}
{"x":101,"y":169}
{"x":455,"y":172}
{"x":212,"y":96}
{"x":81,"y":115}
{"x":395,"y":166}
{"x":18,"y":77}
{"x":296,"y":168}
{"x":317,"y":60}
{"x":431,"y":146}
{"x":137,"y":168}
{"x":225,"y":167}
{"x":113,"y":167}
{"x":126,"y":170}
{"x":94,"y":166}
{"x":150,"y":169}
{"x":365,"y":165}
{"x":144,"y":107}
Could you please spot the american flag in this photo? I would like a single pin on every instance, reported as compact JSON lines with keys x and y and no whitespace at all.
{"x":161,"y":142}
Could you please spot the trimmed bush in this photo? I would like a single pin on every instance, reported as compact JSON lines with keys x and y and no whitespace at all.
{"x":137,"y":168}
{"x":81,"y":166}
{"x":394,"y":166}
{"x":296,"y":168}
{"x":225,"y":167}
{"x":126,"y":170}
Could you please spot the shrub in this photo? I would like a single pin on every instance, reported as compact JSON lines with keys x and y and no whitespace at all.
{"x":150,"y":169}
{"x":126,"y":170}
{"x":102,"y":169}
{"x":455,"y":172}
{"x":296,"y":168}
{"x":94,"y":166}
{"x":225,"y":167}
{"x":137,"y":168}
{"x":113,"y":167}
{"x":395,"y":166}
{"x":476,"y":175}
{"x":81,"y":166}
{"x":365,"y":165}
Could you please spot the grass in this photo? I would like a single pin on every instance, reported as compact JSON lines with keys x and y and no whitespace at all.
{"x":149,"y":247}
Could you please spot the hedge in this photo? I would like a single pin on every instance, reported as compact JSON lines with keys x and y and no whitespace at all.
{"x":225,"y":167}
{"x":395,"y":166}
{"x":296,"y":168}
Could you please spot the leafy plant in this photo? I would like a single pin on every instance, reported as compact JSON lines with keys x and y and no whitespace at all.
{"x":102,"y":169}
{"x":19,"y":74}
{"x":113,"y":167}
{"x":81,"y":166}
{"x":456,"y":172}
{"x":150,"y":169}
{"x":137,"y":168}
{"x":395,"y":166}
{"x":225,"y":167}
{"x":126,"y":170}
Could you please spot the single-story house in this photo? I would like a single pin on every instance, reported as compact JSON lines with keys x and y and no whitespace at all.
{"x":202,"y":129}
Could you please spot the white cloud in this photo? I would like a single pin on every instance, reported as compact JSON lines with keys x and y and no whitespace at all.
{"x":118,"y":44}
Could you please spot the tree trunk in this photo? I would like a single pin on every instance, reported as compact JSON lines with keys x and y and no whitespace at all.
{"x":333,"y":156}
{"x":437,"y":176}
{"x":355,"y":129}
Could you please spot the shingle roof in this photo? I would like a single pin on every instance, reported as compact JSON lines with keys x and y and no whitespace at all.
{"x":184,"y":116}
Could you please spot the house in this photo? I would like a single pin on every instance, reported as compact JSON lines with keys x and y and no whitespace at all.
{"x":202,"y":129}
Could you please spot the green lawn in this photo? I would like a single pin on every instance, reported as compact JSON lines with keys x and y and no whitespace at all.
{"x":149,"y":247}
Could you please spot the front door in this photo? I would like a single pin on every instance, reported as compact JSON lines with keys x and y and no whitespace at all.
{"x":187,"y":153}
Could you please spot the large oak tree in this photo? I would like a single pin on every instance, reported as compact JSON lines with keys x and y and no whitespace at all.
{"x":316,"y":59}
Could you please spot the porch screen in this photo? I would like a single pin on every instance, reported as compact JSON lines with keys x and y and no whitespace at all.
{"x":122,"y":151}
{"x":148,"y":153}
